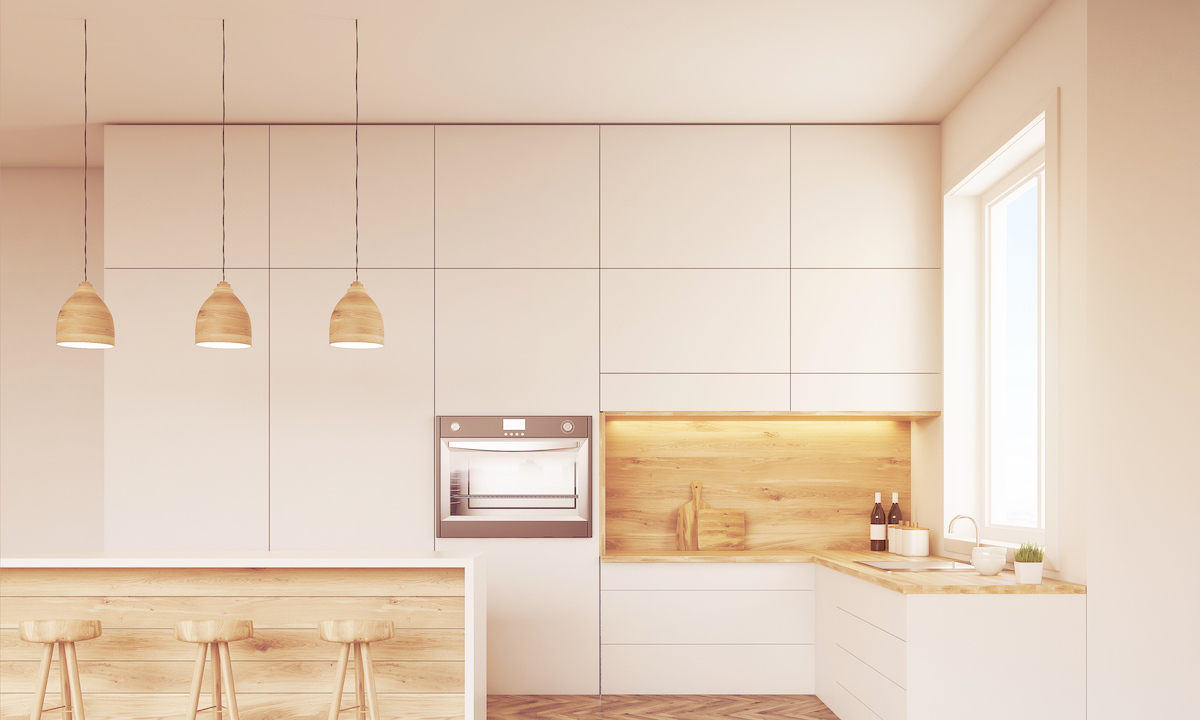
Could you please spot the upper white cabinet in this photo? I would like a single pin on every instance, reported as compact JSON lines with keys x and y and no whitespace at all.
{"x":517,"y":341}
{"x":162,"y":189}
{"x":185,"y":428}
{"x":694,"y":391}
{"x":517,"y":196}
{"x":694,"y":321}
{"x":352,"y":438}
{"x":866,"y":196}
{"x":866,"y":321}
{"x":694,"y":196}
{"x":312,"y":196}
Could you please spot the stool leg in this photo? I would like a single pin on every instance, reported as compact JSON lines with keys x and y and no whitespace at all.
{"x":339,"y":681}
{"x":73,"y":674}
{"x":364,"y":649}
{"x":43,"y":679}
{"x":64,"y":683}
{"x":197,"y":678}
{"x":216,"y":688}
{"x":230,"y":693}
{"x":360,"y":695}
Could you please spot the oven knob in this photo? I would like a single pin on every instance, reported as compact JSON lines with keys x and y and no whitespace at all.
{"x":455,"y":426}
{"x":568,"y":426}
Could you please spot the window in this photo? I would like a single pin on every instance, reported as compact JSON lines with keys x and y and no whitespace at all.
{"x":1014,"y":496}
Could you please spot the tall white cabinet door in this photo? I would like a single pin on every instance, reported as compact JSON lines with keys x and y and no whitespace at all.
{"x":511,"y":196}
{"x":352,"y":432}
{"x":395,"y":211}
{"x":163,"y":196}
{"x":185,"y":428}
{"x":866,"y":321}
{"x":694,"y":321}
{"x":866,"y":196}
{"x":518,"y":341}
{"x":694,"y":196}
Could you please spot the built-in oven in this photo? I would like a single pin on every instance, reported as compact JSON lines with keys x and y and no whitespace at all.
{"x":514,"y":476}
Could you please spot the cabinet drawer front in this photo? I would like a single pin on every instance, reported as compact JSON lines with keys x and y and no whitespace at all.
{"x":707,"y":617}
{"x":882,"y":696}
{"x":881,"y":650}
{"x":883,"y":608}
{"x":707,"y":576}
{"x":707,"y":669}
{"x":846,"y":706}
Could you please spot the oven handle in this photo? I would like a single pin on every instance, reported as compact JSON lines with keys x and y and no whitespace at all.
{"x":514,"y":445}
{"x":496,"y":497}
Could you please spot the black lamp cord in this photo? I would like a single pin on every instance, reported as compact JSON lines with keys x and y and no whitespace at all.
{"x":85,"y":151}
{"x":222,"y":150}
{"x":356,"y":150}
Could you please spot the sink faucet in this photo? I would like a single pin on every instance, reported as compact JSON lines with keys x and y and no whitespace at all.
{"x":950,"y":528}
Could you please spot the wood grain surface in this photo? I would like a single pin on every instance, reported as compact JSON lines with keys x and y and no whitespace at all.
{"x":718,"y":529}
{"x":805,"y":484}
{"x":137,"y":669}
{"x":658,"y":707}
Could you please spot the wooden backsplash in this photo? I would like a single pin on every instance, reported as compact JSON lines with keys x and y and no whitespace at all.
{"x":804,"y":484}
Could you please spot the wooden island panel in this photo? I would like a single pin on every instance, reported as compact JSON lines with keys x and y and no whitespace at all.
{"x":137,"y":670}
{"x":805,"y":484}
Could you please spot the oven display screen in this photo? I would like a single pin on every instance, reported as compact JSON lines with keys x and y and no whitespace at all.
{"x":511,"y":424}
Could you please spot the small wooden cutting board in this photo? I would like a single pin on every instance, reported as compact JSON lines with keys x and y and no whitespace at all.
{"x":721,"y":529}
{"x":685,"y":526}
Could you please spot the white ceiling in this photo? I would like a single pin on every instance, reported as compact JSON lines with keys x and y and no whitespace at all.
{"x":423,"y":61}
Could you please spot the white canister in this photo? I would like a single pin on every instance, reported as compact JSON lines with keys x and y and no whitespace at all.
{"x":915,"y":542}
{"x":894,"y":539}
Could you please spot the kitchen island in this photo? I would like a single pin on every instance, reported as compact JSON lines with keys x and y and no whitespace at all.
{"x":434,"y":667}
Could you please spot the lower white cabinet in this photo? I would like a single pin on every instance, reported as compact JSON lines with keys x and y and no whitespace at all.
{"x":721,"y":628}
{"x":883,"y":654}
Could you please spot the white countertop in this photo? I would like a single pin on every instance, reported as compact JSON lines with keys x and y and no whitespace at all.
{"x":250,"y":560}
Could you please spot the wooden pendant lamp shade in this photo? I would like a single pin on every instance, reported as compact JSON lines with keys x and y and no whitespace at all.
{"x":356,"y":321}
{"x":223,"y":321}
{"x":84,"y":321}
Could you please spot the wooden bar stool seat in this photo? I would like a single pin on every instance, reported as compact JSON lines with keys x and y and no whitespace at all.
{"x":355,"y":637}
{"x":63,"y":634}
{"x":216,"y":634}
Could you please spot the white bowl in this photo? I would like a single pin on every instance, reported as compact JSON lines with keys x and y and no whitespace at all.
{"x":987,"y":565}
{"x":989,"y":552}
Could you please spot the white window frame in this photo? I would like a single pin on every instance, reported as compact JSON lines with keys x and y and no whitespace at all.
{"x":1035,"y":167}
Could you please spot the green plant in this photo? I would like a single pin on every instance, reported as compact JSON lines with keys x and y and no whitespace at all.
{"x":1029,"y":552}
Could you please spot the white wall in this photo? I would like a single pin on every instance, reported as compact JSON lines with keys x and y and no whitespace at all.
{"x":1052,"y":54}
{"x":51,"y":398}
{"x":1144,"y":327}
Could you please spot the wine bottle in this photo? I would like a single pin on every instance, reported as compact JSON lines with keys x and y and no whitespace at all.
{"x":878,"y":525}
{"x":895,"y":517}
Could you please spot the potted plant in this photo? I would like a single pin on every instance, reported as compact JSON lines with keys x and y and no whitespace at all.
{"x":1027,"y":563}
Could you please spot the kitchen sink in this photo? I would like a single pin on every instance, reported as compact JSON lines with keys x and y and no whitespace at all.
{"x":916,"y":565}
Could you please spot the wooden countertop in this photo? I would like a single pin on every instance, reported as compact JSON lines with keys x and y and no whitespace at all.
{"x":909,"y":583}
{"x":252,"y":560}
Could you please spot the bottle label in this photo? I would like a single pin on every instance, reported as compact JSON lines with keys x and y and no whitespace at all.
{"x":879,"y":532}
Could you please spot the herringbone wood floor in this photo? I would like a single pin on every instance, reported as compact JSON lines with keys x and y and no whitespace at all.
{"x":658,"y":707}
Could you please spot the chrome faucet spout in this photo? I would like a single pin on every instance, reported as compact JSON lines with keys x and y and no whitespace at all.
{"x":950,"y":527}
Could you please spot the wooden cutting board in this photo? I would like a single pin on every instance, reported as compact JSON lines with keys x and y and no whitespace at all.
{"x":720,"y":529}
{"x":685,"y":525}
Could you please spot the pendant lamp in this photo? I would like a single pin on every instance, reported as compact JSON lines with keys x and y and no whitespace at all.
{"x":84,"y":320}
{"x":356,"y":321}
{"x":223,"y":321}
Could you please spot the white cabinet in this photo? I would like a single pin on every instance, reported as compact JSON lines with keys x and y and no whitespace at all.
{"x":896,"y":392}
{"x":735,"y":628}
{"x":312,"y":196}
{"x":694,"y":321}
{"x":694,"y":196}
{"x":518,"y":196}
{"x":866,"y":321}
{"x":185,"y":427}
{"x":680,"y":392}
{"x":894,"y":656}
{"x":866,"y":196}
{"x":163,"y":196}
{"x":352,"y":463}
{"x":517,"y":341}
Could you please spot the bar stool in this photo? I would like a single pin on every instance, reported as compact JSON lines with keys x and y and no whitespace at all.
{"x":356,"y":637}
{"x":64,"y":634}
{"x":218,"y":634}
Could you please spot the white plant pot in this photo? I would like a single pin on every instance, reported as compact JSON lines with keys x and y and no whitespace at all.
{"x":1028,"y":573}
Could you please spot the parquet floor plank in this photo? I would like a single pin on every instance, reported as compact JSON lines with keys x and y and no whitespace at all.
{"x":657,"y":707}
